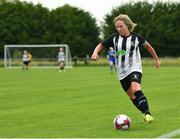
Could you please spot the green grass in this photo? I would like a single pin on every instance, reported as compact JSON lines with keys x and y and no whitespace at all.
{"x":82,"y":102}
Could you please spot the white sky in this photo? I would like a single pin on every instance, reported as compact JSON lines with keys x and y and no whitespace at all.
{"x":97,"y":8}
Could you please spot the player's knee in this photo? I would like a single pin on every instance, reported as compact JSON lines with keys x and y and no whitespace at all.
{"x":135,"y":87}
{"x":130,"y":94}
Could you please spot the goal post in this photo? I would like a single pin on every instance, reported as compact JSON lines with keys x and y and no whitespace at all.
{"x":45,"y":55}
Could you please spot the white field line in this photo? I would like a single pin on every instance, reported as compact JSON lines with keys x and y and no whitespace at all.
{"x":170,"y":134}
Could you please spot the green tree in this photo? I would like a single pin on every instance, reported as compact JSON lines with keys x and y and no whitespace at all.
{"x":75,"y":27}
{"x":22,"y":23}
{"x":157,"y":22}
{"x":25,"y":23}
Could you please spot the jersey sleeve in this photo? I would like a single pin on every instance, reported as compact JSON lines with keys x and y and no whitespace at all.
{"x":108,"y":42}
{"x":142,"y":40}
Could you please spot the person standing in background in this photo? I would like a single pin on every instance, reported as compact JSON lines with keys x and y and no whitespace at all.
{"x":25,"y":59}
{"x":111,"y":58}
{"x":61,"y":59}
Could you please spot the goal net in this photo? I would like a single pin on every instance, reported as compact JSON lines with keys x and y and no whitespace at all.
{"x":42,"y":55}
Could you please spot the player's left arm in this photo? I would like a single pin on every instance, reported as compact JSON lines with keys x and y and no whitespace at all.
{"x":151,"y":50}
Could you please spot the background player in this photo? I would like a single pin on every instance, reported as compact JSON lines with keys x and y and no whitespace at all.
{"x":111,"y":58}
{"x":61,"y":59}
{"x":25,"y":59}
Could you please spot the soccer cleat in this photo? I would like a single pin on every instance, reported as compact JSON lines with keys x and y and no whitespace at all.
{"x":148,"y":118}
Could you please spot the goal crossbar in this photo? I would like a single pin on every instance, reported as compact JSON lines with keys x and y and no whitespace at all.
{"x":36,"y":45}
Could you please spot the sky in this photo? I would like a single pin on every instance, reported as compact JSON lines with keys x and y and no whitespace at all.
{"x":97,"y":8}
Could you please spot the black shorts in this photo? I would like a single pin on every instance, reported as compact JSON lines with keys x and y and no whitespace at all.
{"x":26,"y":62}
{"x":133,"y":77}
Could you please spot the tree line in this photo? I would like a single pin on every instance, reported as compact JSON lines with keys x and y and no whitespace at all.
{"x":26,"y":23}
{"x":158,"y":23}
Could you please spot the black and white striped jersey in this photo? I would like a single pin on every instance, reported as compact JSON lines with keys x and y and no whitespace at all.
{"x":128,"y":57}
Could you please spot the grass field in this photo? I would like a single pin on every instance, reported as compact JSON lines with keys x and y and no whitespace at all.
{"x":82,"y":103}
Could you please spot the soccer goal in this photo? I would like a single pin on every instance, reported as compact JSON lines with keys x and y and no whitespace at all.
{"x":42,"y":55}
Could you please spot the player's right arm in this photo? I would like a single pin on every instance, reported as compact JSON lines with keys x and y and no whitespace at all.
{"x":104,"y":44}
{"x":95,"y":54}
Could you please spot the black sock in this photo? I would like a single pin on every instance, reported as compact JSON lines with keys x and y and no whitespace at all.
{"x":141,"y":102}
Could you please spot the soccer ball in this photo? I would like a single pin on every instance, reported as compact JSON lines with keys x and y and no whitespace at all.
{"x":122,"y":122}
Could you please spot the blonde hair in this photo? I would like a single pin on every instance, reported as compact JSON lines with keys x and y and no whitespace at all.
{"x":126,"y":20}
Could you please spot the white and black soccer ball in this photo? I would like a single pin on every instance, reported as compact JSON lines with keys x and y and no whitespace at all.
{"x":122,"y":122}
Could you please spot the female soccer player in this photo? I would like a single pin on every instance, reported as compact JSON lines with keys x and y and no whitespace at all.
{"x":128,"y":60}
{"x":111,"y":58}
{"x":25,"y":59}
{"x":61,"y":59}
